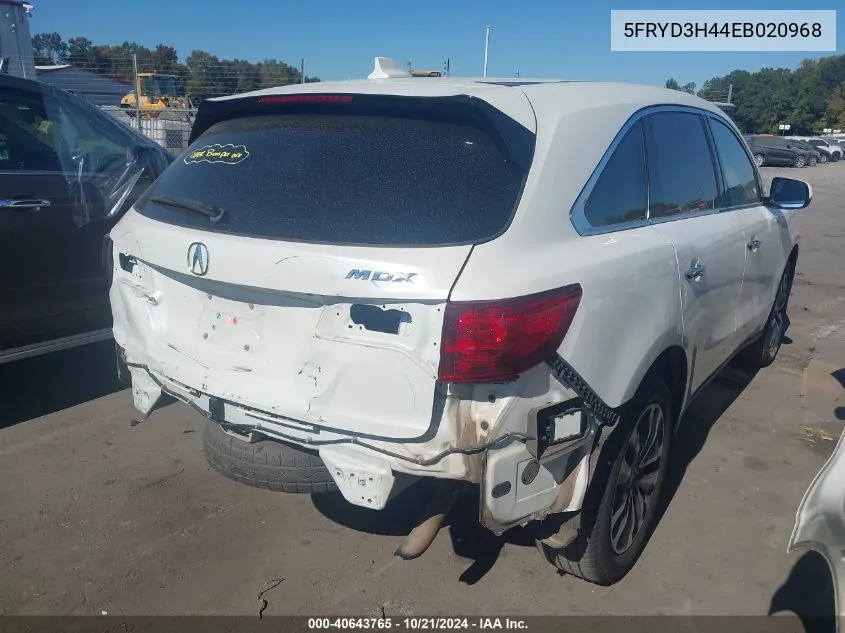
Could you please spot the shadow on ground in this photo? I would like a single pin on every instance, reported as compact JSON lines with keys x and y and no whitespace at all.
{"x":707,"y":408}
{"x":471,"y":541}
{"x":839,"y":376}
{"x":808,"y":592}
{"x":45,"y":384}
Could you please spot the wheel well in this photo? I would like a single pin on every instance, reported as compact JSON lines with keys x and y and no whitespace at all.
{"x":671,"y":365}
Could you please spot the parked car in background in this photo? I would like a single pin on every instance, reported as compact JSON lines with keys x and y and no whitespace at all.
{"x":381,"y":330}
{"x":837,"y":142}
{"x":832,"y":147}
{"x":815,"y":155}
{"x":777,"y":151}
{"x":67,"y":173}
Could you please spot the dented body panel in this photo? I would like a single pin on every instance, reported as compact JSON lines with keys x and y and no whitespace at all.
{"x":336,"y":347}
{"x":306,"y":368}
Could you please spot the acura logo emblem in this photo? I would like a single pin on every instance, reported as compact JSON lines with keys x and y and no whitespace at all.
{"x":198,"y":258}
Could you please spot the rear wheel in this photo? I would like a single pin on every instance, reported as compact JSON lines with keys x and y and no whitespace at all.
{"x":265,"y":464}
{"x":764,"y":350}
{"x":823,"y":159}
{"x":799,"y":161}
{"x":123,"y":375}
{"x":813,"y":161}
{"x":759,"y":159}
{"x":621,"y":505}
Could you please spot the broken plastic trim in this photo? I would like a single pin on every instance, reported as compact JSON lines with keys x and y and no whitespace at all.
{"x":565,"y":374}
{"x":215,"y":404}
{"x":542,"y":422}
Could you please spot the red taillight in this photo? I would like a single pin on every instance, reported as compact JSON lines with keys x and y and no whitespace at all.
{"x":306,"y":99}
{"x":494,"y":341}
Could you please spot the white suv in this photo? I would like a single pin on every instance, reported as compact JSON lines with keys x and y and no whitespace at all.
{"x":365,"y":283}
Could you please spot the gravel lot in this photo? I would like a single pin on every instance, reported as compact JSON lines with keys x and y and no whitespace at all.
{"x":98,"y":515}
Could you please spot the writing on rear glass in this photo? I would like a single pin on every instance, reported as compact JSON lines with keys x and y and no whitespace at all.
{"x":223,"y":154}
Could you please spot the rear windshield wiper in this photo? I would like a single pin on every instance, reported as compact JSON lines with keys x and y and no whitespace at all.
{"x":215,"y":214}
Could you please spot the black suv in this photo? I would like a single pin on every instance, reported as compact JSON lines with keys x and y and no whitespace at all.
{"x":816,"y":154}
{"x":777,"y":150}
{"x":67,"y":173}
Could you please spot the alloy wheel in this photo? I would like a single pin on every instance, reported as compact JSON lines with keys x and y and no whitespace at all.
{"x":637,"y":478}
{"x":778,"y":317}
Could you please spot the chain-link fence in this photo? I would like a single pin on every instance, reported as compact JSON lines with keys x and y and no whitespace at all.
{"x":170,"y":129}
{"x":155,"y":92}
{"x":151,"y":90}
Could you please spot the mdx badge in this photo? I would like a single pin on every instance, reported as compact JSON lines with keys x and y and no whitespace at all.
{"x":379,"y":275}
{"x":198,"y":259}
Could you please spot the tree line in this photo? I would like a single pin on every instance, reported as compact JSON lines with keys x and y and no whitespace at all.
{"x":809,"y":98}
{"x":204,"y":75}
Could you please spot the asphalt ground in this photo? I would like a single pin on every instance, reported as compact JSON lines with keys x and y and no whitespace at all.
{"x":98,"y":515}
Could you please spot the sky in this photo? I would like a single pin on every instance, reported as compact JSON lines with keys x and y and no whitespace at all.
{"x":339,"y":38}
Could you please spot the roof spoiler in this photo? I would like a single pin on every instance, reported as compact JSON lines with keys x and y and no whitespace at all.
{"x":386,"y":68}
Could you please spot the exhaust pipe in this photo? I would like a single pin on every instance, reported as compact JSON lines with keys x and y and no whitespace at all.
{"x":422,"y":536}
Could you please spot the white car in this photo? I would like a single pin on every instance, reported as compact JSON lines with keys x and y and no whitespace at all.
{"x":366,"y":283}
{"x":820,"y":523}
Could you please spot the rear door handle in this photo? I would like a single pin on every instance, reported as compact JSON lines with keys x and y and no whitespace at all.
{"x":24,"y":204}
{"x":754,"y":244}
{"x":695,"y":271}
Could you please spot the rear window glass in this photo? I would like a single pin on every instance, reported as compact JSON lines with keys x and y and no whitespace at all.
{"x":338,"y":179}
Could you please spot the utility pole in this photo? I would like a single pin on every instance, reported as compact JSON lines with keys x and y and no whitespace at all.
{"x":137,"y":90}
{"x":486,"y":48}
{"x":446,"y":67}
{"x":302,"y":70}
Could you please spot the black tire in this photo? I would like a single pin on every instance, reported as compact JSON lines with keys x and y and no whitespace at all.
{"x":266,"y":464}
{"x":799,"y":161}
{"x":764,"y":350}
{"x":813,"y":161}
{"x":592,"y":556}
{"x":123,"y":375}
{"x":823,"y":159}
{"x":759,"y":159}
{"x":837,"y":158}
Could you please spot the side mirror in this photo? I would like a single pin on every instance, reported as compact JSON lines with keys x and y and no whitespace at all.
{"x":788,"y":193}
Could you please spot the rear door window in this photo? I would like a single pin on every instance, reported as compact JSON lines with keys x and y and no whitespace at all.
{"x":26,"y":141}
{"x":741,"y":186}
{"x":345,"y":179}
{"x":681,"y":174}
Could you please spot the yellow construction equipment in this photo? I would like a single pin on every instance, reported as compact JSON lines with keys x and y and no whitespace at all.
{"x":159,"y":92}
